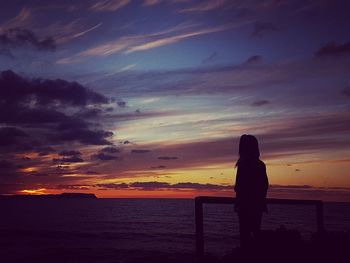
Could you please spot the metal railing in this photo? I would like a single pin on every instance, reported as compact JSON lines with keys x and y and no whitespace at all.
{"x":200,"y":200}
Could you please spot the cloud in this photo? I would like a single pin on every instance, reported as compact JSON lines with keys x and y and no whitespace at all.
{"x":121,"y":104}
{"x":21,"y":20}
{"x":291,"y":186}
{"x":261,"y":29}
{"x":334,"y":49}
{"x":154,"y":185}
{"x":110,"y":150}
{"x":149,"y":185}
{"x":70,"y":159}
{"x":137,"y":43}
{"x":174,"y":39}
{"x":66,"y":32}
{"x":69,"y":153}
{"x":108,"y":5}
{"x":44,"y":151}
{"x":151,"y":2}
{"x":260,"y":103}
{"x":114,"y":186}
{"x":39,"y":115}
{"x":140,"y":151}
{"x":205,"y":6}
{"x":168,"y":158}
{"x":43,"y":92}
{"x":17,"y":37}
{"x":230,"y":80}
{"x":71,"y":187}
{"x":84,"y":136}
{"x":104,"y":157}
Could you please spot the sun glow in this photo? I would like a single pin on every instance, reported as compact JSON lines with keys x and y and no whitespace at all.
{"x":39,"y":191}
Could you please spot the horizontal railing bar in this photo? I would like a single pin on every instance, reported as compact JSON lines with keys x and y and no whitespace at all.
{"x":232,"y":200}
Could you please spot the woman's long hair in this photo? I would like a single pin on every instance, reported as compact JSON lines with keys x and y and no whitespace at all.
{"x":248,"y":148}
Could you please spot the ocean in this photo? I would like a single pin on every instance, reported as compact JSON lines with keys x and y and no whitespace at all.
{"x":127,"y":230}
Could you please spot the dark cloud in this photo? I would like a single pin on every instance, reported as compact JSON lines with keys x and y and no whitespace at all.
{"x":89,"y":113}
{"x":110,"y":150}
{"x":261,"y":29}
{"x":168,"y":158}
{"x":84,"y":136}
{"x":121,"y":104}
{"x":114,"y":186}
{"x":186,"y":185}
{"x":149,"y":185}
{"x":104,"y":157}
{"x":254,"y":59}
{"x":17,"y":37}
{"x":71,"y":159}
{"x":16,"y":90}
{"x":69,"y":153}
{"x":41,"y":115}
{"x":140,"y":151}
{"x":334,"y":49}
{"x":43,"y":151}
{"x":291,"y":186}
{"x":71,"y":187}
{"x":260,"y":103}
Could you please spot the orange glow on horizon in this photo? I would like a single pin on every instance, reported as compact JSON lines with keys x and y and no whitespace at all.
{"x":39,"y":191}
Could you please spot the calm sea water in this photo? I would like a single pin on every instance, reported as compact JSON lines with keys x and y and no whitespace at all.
{"x":118,"y":230}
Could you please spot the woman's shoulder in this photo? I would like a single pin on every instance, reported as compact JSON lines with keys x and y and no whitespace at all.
{"x":261,"y":163}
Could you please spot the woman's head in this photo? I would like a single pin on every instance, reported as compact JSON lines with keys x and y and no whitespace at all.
{"x":248,"y":147}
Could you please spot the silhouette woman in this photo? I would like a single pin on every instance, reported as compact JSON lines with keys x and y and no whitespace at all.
{"x":251,"y":188}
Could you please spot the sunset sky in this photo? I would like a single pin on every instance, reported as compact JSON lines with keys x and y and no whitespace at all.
{"x":132,"y":98}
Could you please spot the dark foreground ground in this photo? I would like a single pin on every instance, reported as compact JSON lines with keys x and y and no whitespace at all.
{"x":280,"y":245}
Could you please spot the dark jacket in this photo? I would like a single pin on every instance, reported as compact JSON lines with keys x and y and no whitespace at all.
{"x":251,"y":186}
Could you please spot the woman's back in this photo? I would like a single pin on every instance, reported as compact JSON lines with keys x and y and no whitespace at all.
{"x":251,"y":183}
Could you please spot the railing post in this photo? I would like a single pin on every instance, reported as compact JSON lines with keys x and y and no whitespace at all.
{"x":319,"y":214}
{"x":199,"y":230}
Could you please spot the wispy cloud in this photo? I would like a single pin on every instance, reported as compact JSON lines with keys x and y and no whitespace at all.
{"x":16,"y":37}
{"x":176,"y":38}
{"x":205,"y":6}
{"x":22,"y":20}
{"x":66,"y":32}
{"x":136,"y":43}
{"x":151,"y":2}
{"x":108,"y":5}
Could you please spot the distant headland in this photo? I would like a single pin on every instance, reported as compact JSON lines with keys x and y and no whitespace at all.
{"x":52,"y":196}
